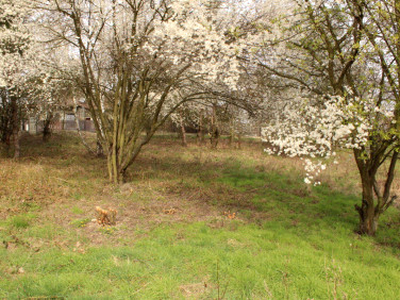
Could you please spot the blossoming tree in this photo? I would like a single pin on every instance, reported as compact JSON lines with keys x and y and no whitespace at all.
{"x":14,"y":55}
{"x":340,"y":60}
{"x":26,"y":84}
{"x":136,"y":56}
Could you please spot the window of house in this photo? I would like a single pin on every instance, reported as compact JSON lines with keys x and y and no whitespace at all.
{"x":69,"y":117}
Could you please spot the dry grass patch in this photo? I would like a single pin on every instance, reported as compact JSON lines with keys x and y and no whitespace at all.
{"x":168,"y":184}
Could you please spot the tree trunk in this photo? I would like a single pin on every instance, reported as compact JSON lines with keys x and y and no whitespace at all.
{"x":239,"y":141}
{"x":118,"y":171}
{"x":200,"y":133}
{"x":99,"y":148}
{"x":63,"y":121}
{"x":376,"y":199}
{"x":369,"y":224}
{"x":15,"y":127}
{"x":232,"y":135}
{"x":17,"y":147}
{"x":113,"y":167}
{"x":6,"y":139}
{"x":47,"y":128}
{"x":369,"y":216}
{"x":214,"y":138}
{"x":214,"y":134}
{"x":183,"y":133}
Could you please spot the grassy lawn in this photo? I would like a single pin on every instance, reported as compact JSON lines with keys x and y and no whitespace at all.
{"x":192,"y":223}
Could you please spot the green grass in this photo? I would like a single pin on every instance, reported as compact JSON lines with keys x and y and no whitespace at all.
{"x":176,"y":236}
{"x":20,"y":221}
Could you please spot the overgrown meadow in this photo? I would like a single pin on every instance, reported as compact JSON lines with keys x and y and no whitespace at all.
{"x":192,"y":223}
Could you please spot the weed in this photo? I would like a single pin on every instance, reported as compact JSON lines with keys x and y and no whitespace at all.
{"x":109,"y":230}
{"x":334,"y":280}
{"x":80,"y":222}
{"x":20,"y":221}
{"x":220,"y":292}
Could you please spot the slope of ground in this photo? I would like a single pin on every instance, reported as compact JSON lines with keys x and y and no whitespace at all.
{"x":192,"y":223}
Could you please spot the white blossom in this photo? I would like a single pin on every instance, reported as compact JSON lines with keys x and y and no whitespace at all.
{"x":306,"y":129}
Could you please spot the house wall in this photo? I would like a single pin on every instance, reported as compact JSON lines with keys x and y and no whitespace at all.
{"x":63,"y":120}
